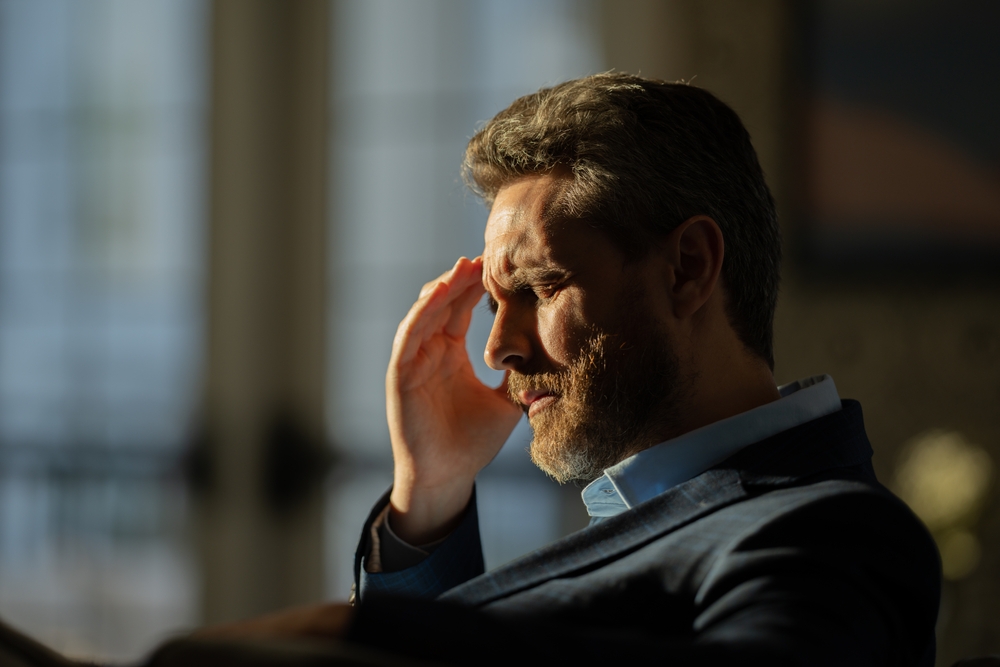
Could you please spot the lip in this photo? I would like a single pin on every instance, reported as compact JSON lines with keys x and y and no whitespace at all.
{"x":536,"y":400}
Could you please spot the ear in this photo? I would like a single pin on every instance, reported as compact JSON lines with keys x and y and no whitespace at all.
{"x":695,"y":250}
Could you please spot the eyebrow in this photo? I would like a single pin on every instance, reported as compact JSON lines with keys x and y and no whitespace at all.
{"x":524,"y":277}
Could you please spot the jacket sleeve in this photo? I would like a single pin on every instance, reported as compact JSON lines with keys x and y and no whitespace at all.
{"x":455,"y":561}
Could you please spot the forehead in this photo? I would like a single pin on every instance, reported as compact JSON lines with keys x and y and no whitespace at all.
{"x":520,"y":230}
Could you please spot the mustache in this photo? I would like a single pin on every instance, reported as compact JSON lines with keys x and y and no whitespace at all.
{"x":557,"y":382}
{"x":591,"y":359}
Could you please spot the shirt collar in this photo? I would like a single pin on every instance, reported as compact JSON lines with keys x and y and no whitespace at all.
{"x":652,"y":471}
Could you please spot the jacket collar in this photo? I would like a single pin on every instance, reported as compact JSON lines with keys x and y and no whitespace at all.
{"x":652,"y":471}
{"x":834,"y":446}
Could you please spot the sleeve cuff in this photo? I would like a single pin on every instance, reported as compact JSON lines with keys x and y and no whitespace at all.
{"x":456,"y":559}
{"x":389,"y":552}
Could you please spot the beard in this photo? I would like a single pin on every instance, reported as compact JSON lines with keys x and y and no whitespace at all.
{"x":613,"y":400}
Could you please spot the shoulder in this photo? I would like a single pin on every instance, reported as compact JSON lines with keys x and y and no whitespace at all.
{"x":830,"y":505}
{"x":844,"y":564}
{"x":846,"y":512}
{"x":857,"y":533}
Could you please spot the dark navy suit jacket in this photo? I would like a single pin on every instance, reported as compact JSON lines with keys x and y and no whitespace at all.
{"x":790,"y":552}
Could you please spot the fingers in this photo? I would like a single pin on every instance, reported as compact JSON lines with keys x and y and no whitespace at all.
{"x":461,"y":310}
{"x":445,"y":304}
{"x":463,"y":270}
{"x":422,"y":318}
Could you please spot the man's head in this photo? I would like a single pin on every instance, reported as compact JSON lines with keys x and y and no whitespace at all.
{"x":596,"y":185}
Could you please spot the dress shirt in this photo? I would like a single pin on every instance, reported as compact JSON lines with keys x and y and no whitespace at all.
{"x":652,"y":471}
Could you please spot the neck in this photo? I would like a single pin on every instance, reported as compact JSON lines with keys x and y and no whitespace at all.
{"x":722,"y":386}
{"x":716,"y":396}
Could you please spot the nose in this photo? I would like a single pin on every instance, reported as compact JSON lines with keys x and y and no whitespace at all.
{"x":509,"y":344}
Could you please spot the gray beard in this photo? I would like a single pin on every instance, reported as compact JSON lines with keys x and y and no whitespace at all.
{"x":613,"y":401}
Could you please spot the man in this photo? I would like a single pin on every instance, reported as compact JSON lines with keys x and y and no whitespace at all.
{"x":631,"y":259}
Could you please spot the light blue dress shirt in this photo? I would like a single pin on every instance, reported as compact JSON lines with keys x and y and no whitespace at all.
{"x":652,"y":471}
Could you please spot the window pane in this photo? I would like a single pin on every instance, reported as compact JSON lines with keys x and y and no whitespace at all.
{"x":102,"y":118}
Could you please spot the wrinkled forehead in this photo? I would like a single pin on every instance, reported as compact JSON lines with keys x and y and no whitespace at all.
{"x":509,"y":234}
{"x":520,"y":225}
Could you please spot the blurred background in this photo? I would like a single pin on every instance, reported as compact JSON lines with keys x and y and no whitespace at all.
{"x":214,"y":214}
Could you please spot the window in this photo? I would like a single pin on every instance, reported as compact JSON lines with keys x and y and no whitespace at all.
{"x":102,"y":151}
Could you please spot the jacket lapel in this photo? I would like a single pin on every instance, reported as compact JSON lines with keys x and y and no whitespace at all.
{"x":607,"y":541}
{"x":831,"y":443}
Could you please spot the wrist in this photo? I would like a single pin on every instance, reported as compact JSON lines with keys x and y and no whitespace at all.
{"x":423,"y":514}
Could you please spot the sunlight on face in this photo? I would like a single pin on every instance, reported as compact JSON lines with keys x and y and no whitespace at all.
{"x":576,"y":327}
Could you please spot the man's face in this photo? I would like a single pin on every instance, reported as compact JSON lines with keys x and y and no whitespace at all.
{"x":581,"y":331}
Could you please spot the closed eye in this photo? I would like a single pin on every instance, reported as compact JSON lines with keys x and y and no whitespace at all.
{"x":545,"y":291}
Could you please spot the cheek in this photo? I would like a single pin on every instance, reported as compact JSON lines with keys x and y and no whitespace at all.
{"x":562,"y":330}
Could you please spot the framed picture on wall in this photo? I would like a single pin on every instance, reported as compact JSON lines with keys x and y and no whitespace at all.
{"x":898,"y":148}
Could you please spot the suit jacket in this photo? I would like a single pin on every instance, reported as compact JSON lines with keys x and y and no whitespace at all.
{"x":789,"y":552}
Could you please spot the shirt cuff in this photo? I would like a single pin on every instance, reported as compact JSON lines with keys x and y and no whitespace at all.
{"x":389,"y":553}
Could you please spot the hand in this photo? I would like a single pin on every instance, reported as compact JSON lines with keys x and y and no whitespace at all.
{"x":324,"y":620}
{"x":445,"y":425}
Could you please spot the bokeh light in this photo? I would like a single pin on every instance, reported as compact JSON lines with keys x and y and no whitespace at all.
{"x":945,"y":480}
